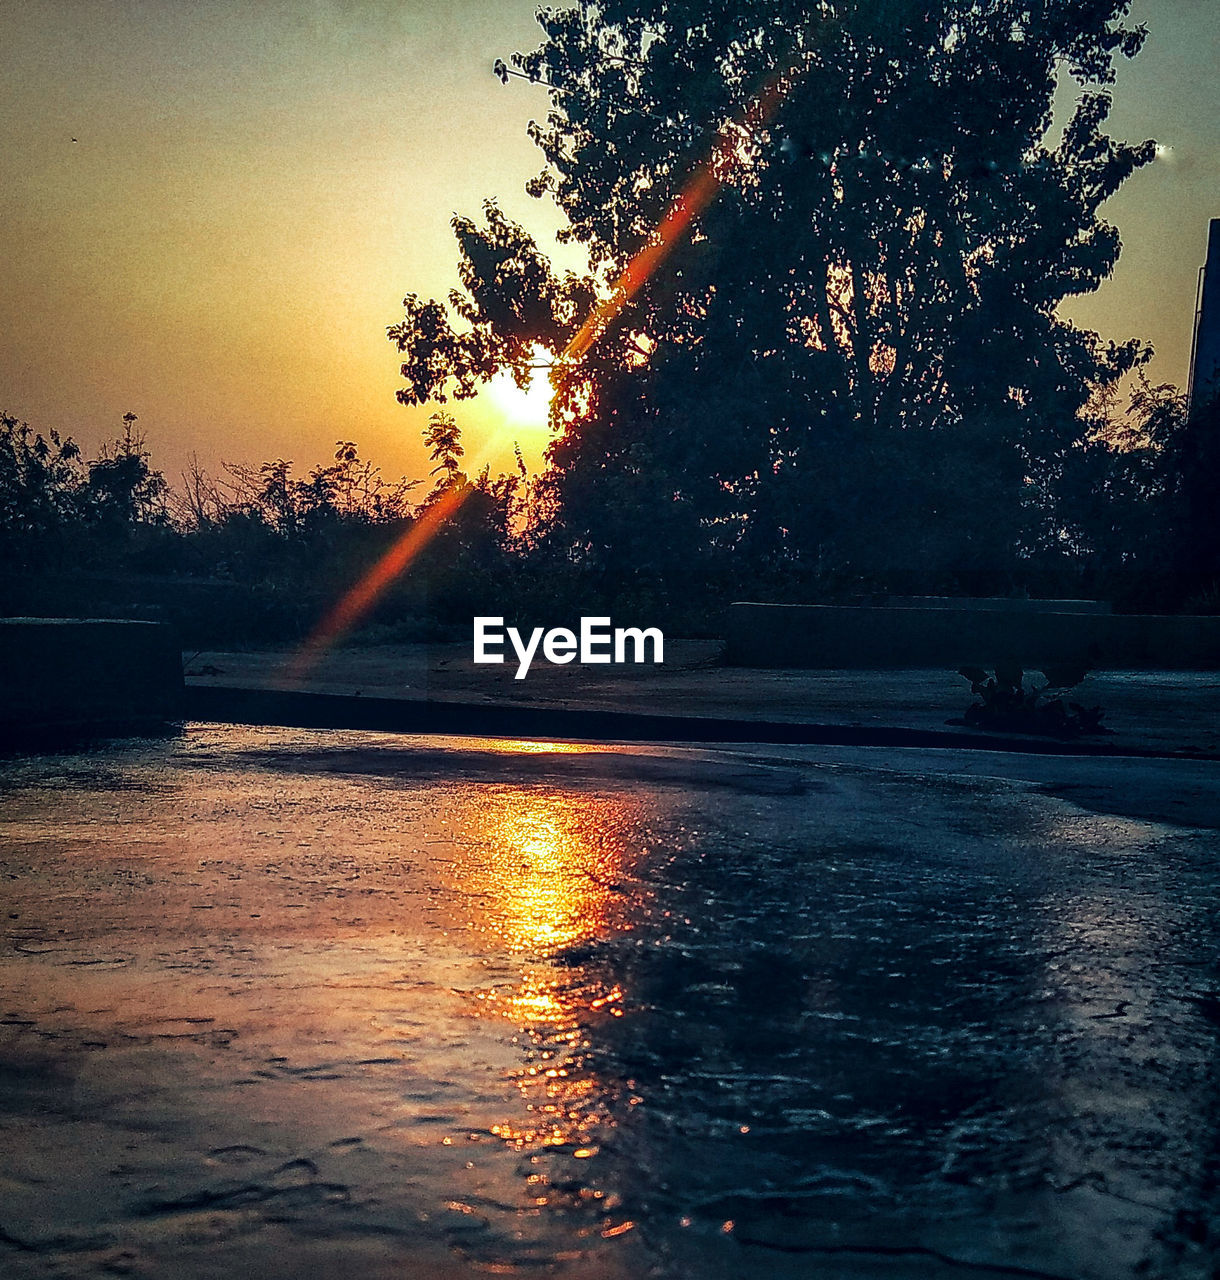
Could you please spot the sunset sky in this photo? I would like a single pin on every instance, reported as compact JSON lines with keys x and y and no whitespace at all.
{"x":254,"y":187}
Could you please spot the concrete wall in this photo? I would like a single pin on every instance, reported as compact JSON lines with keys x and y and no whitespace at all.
{"x":70,"y":674}
{"x":829,"y":636}
{"x":993,"y":604}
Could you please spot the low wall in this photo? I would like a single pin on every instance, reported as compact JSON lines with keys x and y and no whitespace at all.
{"x":68,"y":674}
{"x":993,"y":604}
{"x":863,"y":637}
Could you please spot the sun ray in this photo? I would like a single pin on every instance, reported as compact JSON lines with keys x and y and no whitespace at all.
{"x":702,"y":188}
{"x":358,"y":601}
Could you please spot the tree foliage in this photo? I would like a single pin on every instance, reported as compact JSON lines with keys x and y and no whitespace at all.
{"x":851,"y":359}
{"x":348,"y":490}
{"x":124,"y":487}
{"x":41,"y":484}
{"x":271,"y":551}
{"x":57,"y":509}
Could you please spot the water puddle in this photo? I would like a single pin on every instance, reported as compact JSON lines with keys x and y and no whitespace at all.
{"x":295,"y":1003}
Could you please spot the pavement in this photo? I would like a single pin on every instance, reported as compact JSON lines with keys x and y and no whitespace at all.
{"x":1154,"y":712}
{"x":283,"y":1003}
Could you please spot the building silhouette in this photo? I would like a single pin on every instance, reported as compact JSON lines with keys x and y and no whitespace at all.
{"x":1205,"y":349}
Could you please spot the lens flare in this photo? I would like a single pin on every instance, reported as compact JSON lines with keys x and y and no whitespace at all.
{"x":702,"y":188}
{"x":360,"y":599}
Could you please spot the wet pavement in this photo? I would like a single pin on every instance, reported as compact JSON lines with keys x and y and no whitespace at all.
{"x":286,"y":1003}
{"x":1149,"y":711}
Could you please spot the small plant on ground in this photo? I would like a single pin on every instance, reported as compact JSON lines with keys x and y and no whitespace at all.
{"x":1004,"y":700}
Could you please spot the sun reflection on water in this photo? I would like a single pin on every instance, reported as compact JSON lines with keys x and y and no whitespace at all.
{"x":548,"y":873}
{"x":535,"y":746}
{"x":544,"y":873}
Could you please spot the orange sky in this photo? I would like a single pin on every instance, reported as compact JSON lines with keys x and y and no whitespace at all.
{"x":255,"y":186}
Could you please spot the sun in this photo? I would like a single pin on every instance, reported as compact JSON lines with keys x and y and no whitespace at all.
{"x":521,"y":410}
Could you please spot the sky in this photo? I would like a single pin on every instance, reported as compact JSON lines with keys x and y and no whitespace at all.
{"x":253,"y":188}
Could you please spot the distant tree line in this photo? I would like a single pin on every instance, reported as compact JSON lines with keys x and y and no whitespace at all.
{"x":253,"y":553}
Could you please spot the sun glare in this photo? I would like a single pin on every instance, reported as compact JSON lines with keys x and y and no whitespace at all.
{"x":526,"y":409}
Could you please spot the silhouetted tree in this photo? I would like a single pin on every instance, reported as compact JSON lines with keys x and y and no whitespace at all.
{"x":350,"y":490}
{"x":124,"y":487}
{"x":443,"y":439}
{"x":1116,"y":497}
{"x":850,"y":358}
{"x":42,"y":495}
